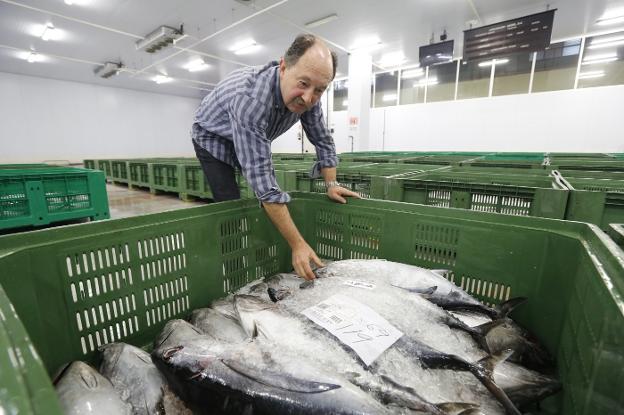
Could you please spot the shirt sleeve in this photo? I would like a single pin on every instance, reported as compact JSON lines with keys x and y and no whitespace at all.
{"x":315,"y":128}
{"x":253,"y":148}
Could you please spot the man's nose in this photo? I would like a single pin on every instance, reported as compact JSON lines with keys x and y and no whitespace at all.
{"x":308,"y":96}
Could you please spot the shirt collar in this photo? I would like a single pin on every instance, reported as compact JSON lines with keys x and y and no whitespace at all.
{"x":278,"y":101}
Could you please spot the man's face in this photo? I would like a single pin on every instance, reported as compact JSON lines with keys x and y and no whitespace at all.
{"x":303,"y":83}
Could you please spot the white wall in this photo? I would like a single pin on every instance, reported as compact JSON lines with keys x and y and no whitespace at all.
{"x":44,"y":119}
{"x":582,"y":120}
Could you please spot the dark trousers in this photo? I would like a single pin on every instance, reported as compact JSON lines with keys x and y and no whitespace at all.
{"x":220,"y":176}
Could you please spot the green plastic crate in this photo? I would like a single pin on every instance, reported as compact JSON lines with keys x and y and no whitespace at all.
{"x":498,"y":198}
{"x":119,"y":171}
{"x":105,"y":166}
{"x":25,"y":166}
{"x":162,"y":266}
{"x":36,"y":197}
{"x":616,"y":231}
{"x":90,"y":164}
{"x":598,"y":200}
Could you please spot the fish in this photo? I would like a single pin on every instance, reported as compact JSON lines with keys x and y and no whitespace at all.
{"x":254,"y":377}
{"x":82,"y":390}
{"x":264,"y":319}
{"x":135,"y":378}
{"x":297,"y":299}
{"x":219,"y":326}
{"x":430,"y":283}
{"x":510,"y":335}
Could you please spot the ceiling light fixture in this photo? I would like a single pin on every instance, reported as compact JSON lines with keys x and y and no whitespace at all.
{"x":498,"y":62}
{"x":321,"y":21}
{"x":33,"y":57}
{"x":48,"y":32}
{"x":367,"y":44}
{"x":161,"y":79}
{"x":345,"y":102}
{"x":591,"y":74}
{"x":412,"y":73}
{"x":389,"y":97}
{"x":610,"y":18}
{"x":606,"y":39}
{"x":197,"y":65}
{"x":392,"y":59}
{"x":160,"y":38}
{"x":423,"y":82}
{"x":598,"y":59}
{"x":605,"y":44}
{"x":108,"y":69}
{"x":245,"y":47}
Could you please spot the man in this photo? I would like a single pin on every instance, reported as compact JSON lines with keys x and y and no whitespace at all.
{"x":236,"y":122}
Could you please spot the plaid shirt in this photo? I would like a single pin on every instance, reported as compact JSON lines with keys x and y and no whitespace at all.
{"x":239,"y":119}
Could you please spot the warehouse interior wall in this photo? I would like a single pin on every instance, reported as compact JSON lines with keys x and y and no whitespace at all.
{"x":581,"y":120}
{"x":45,"y":119}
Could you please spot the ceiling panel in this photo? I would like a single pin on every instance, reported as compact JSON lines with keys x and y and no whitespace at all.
{"x":96,"y":31}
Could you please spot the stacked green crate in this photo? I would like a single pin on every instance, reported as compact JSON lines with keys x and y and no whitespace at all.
{"x":36,"y":197}
{"x":520,"y":195}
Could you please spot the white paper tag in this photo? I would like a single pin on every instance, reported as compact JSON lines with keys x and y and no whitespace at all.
{"x":360,"y":284}
{"x":356,"y":325}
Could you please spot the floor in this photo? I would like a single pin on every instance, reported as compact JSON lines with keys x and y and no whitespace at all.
{"x":124,"y":202}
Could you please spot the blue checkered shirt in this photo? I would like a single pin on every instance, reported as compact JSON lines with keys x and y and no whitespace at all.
{"x":239,"y":119}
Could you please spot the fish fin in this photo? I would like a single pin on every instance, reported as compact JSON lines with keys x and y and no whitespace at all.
{"x":508,"y":306}
{"x":479,"y":333}
{"x":440,"y":272}
{"x":424,"y":291}
{"x":277,"y":295}
{"x":279,"y":379}
{"x":484,"y":369}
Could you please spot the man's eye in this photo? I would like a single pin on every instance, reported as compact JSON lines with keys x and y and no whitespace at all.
{"x":303,"y":84}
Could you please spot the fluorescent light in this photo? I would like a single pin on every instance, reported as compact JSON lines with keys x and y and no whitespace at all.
{"x":48,"y":32}
{"x":412,"y":73}
{"x":161,"y":79}
{"x":389,"y":97}
{"x":612,"y":17}
{"x":591,"y":74}
{"x":423,"y":82}
{"x":392,"y":59}
{"x":244,"y":47}
{"x":604,"y":45}
{"x":597,"y":59}
{"x":33,"y":57}
{"x":69,"y":2}
{"x":197,"y":65}
{"x":498,"y":62}
{"x":321,"y":21}
{"x":600,"y":40}
{"x":367,"y":43}
{"x":345,"y":102}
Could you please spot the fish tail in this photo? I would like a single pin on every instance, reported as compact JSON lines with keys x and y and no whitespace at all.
{"x":484,"y":369}
{"x":506,"y":307}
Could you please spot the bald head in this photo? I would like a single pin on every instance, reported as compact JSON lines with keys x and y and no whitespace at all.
{"x":307,"y":43}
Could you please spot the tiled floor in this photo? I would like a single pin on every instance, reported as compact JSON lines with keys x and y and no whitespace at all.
{"x":124,"y":202}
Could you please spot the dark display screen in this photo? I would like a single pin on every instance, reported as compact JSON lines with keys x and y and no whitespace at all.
{"x":436,"y":53}
{"x":524,"y":34}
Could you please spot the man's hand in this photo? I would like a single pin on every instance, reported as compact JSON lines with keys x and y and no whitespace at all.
{"x":302,"y":254}
{"x":338,"y":194}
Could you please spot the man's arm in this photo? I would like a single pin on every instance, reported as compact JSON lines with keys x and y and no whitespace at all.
{"x":302,"y":254}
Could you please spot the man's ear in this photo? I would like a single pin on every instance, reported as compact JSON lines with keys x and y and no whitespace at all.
{"x":282,"y":65}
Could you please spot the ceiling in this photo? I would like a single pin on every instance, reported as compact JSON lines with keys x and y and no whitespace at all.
{"x":92,"y":32}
